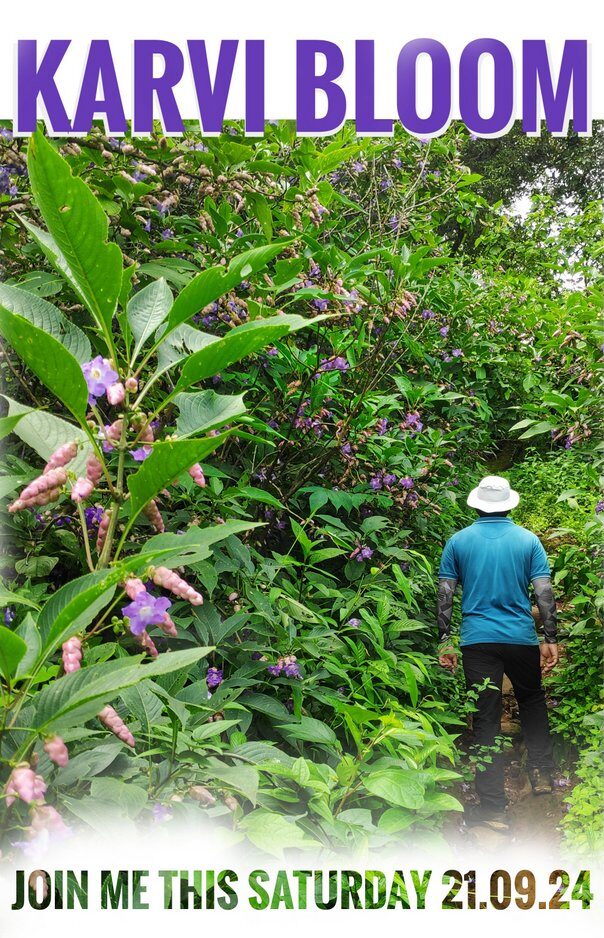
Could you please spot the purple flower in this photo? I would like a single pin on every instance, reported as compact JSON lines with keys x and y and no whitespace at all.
{"x":382,"y":426}
{"x":456,"y":353}
{"x":385,"y":184}
{"x":274,"y":670}
{"x":428,"y":314}
{"x":292,"y":669}
{"x":394,"y":222}
{"x":338,"y":363}
{"x":389,"y":479}
{"x":213,"y":678}
{"x":600,"y":507}
{"x":161,"y":813}
{"x":412,"y":422}
{"x":99,"y":375}
{"x":140,"y":454}
{"x":365,"y":553}
{"x":320,"y":304}
{"x":407,"y":482}
{"x":166,"y":234}
{"x":139,"y":176}
{"x":93,"y":516}
{"x":354,"y":622}
{"x":444,"y":331}
{"x":145,"y":610}
{"x":376,"y":483}
{"x":5,"y":133}
{"x":147,"y":225}
{"x":358,"y":167}
{"x":9,"y":615}
{"x":346,"y":449}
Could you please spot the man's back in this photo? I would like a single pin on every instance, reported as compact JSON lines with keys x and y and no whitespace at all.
{"x":495,"y":560}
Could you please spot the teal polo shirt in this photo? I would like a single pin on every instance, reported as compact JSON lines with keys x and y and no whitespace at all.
{"x":495,"y":560}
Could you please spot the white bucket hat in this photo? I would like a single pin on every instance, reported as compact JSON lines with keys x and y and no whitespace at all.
{"x":493,"y":494}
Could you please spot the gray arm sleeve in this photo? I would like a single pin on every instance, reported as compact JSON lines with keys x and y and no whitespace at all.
{"x":546,"y":603}
{"x":446,"y":591}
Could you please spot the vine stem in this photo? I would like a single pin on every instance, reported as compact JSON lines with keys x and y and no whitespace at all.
{"x":84,"y":526}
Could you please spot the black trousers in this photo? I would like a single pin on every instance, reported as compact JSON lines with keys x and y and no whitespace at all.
{"x":521,"y":664}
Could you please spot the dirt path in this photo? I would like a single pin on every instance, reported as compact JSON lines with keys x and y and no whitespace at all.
{"x":532,"y":819}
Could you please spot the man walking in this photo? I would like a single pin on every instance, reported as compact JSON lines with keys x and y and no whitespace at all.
{"x":494,"y":561}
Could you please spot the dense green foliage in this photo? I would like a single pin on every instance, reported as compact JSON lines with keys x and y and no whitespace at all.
{"x":369,"y":335}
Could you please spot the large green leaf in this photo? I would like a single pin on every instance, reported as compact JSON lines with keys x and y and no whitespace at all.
{"x":74,"y":606}
{"x":9,"y":424}
{"x":28,"y":631}
{"x":396,"y":786}
{"x":242,"y":778}
{"x":45,"y":433}
{"x":47,"y":317}
{"x":205,"y":410}
{"x":79,"y":696}
{"x":12,"y":649}
{"x":147,"y":310}
{"x":8,"y":598}
{"x":240,"y":342}
{"x":164,"y":464}
{"x":8,"y":484}
{"x":77,"y":242}
{"x":274,"y":833}
{"x":213,"y":283}
{"x":179,"y":344}
{"x":48,"y":359}
{"x":543,"y":426}
{"x":144,"y":705}
{"x":194,"y":545}
{"x":309,"y":730}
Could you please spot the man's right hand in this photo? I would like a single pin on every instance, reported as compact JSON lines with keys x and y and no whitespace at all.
{"x":447,"y":658}
{"x":549,"y":657}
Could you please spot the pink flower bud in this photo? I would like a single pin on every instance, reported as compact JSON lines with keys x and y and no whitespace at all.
{"x":152,"y":513}
{"x":167,"y":626}
{"x":72,"y":654}
{"x":114,"y":430}
{"x":33,"y":494}
{"x":201,"y":794}
{"x":148,"y":644}
{"x":131,"y":385}
{"x":56,"y":751}
{"x":147,"y":434}
{"x":170,"y":580}
{"x":197,"y":475}
{"x":116,"y":725}
{"x":232,"y":597}
{"x":23,"y":783}
{"x":81,"y":489}
{"x":45,"y":817}
{"x":116,"y":393}
{"x":94,"y":469}
{"x":61,"y":456}
{"x":101,"y":536}
{"x":133,"y":586}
